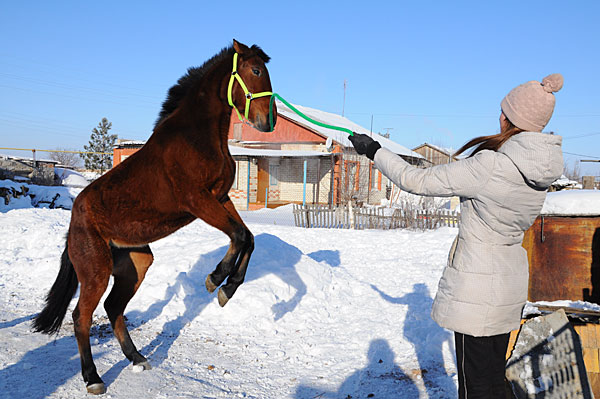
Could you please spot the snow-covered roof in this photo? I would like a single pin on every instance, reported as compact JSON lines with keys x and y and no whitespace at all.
{"x":443,"y":150}
{"x":260,"y":152}
{"x":129,"y":142}
{"x":446,"y":151}
{"x":338,"y":120}
{"x":14,"y":157}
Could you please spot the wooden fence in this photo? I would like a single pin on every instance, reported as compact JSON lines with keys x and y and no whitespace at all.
{"x":340,"y":217}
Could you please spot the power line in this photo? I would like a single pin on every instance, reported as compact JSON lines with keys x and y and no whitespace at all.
{"x":581,"y":155}
{"x":71,"y":152}
{"x":68,"y":86}
{"x":581,"y":135}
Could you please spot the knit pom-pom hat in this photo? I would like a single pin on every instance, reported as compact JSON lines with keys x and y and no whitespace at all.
{"x":530,"y":105}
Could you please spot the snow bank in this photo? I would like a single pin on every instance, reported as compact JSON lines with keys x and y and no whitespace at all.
{"x":23,"y":195}
{"x":572,"y":202}
{"x":70,"y":178}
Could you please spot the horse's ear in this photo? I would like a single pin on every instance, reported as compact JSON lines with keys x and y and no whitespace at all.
{"x":239,"y":48}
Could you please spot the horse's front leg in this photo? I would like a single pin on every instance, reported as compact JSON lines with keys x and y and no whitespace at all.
{"x":238,"y":273}
{"x":223,"y":216}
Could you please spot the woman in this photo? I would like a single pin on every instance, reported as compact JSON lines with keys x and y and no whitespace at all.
{"x":502,"y":185}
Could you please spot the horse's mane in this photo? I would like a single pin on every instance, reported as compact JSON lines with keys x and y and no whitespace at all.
{"x":194,"y":75}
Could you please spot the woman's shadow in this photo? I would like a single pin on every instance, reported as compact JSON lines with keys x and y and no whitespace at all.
{"x":381,"y":378}
{"x":427,"y":338}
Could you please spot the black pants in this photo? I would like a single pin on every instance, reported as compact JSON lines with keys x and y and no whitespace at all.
{"x":481,"y":362}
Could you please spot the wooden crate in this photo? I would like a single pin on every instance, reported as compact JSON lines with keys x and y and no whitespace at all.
{"x":564,"y":258}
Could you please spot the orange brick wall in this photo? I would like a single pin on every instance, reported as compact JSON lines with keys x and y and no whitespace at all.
{"x":119,"y":154}
{"x":286,"y":131}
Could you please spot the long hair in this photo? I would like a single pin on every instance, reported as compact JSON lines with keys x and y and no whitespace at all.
{"x":493,"y":142}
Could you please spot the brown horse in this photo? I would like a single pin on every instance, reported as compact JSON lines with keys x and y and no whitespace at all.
{"x":183,"y":172}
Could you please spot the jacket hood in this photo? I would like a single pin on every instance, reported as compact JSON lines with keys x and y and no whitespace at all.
{"x":538,"y":156}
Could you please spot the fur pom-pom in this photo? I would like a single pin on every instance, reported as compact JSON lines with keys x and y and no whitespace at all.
{"x":553,"y":83}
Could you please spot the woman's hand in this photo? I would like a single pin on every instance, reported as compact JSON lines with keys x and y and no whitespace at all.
{"x":364,"y":145}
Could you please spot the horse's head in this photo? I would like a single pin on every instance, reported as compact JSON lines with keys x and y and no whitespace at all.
{"x":250,"y":91}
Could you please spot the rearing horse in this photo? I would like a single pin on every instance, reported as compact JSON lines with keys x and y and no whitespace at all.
{"x":183,"y":172}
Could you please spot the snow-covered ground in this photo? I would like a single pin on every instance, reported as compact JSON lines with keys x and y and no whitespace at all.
{"x":323,"y":313}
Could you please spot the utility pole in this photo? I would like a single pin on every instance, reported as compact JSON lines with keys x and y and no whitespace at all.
{"x":344,"y":104}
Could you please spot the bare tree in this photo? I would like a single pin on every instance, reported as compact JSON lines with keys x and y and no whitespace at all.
{"x":354,"y":186}
{"x":65,"y":157}
{"x":572,"y":170}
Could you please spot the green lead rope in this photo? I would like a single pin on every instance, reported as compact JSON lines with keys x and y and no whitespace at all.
{"x":290,"y":106}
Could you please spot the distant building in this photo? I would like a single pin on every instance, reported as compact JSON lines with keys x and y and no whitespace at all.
{"x":36,"y":171}
{"x":124,"y":148}
{"x":435,"y":155}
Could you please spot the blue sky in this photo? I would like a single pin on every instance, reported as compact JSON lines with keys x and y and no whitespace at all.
{"x":424,"y":71}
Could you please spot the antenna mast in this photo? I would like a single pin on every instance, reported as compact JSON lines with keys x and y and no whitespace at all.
{"x":344,"y":104}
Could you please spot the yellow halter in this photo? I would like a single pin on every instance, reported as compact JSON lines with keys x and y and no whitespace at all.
{"x":249,"y":96}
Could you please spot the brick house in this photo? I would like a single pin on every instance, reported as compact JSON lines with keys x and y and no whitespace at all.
{"x":299,"y":162}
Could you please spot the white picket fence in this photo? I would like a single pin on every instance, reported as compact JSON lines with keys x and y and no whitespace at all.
{"x":340,"y":217}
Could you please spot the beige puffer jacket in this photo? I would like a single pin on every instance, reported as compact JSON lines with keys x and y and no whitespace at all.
{"x":484,"y":286}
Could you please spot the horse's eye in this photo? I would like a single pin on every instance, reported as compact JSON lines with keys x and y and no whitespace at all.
{"x":256,"y":71}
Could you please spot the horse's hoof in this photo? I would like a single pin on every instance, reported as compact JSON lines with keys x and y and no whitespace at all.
{"x":97,"y":388}
{"x":141,"y":366}
{"x":210,"y":286}
{"x":222,"y":298}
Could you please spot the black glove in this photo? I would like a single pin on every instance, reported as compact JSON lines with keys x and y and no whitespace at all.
{"x":364,"y":145}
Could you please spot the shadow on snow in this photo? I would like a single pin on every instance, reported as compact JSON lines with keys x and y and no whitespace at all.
{"x":382,"y":377}
{"x":271,"y":256}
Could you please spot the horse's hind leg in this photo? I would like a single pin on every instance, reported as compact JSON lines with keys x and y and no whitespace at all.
{"x":92,"y":261}
{"x":130,"y":266}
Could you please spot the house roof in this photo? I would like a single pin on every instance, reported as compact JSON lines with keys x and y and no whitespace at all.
{"x":30,"y":159}
{"x":443,"y":150}
{"x":122,"y":143}
{"x":338,"y":120}
{"x":251,"y":152}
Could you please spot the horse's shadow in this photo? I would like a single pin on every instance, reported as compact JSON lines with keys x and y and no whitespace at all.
{"x":271,"y":256}
{"x":381,"y":378}
{"x":31,"y":377}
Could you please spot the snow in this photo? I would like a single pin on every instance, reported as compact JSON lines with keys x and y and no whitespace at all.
{"x":564,"y":181}
{"x":38,"y":196}
{"x":531,"y":308}
{"x":323,"y":313}
{"x":572,"y":202}
{"x":70,"y":178}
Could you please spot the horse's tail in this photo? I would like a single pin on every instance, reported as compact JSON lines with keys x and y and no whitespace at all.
{"x":49,"y":320}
